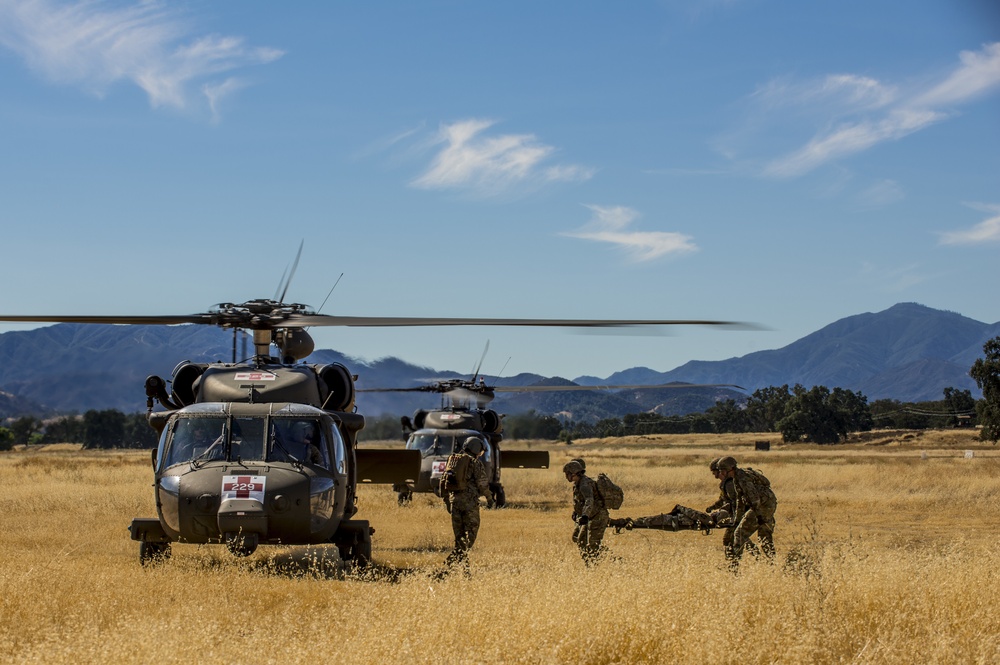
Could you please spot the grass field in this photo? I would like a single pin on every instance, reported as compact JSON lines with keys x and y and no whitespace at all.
{"x":887,"y":554}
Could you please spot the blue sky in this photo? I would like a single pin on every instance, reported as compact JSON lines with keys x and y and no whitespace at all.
{"x":783,"y":163}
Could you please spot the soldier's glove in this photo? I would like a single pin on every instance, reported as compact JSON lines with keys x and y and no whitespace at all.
{"x":583,"y":520}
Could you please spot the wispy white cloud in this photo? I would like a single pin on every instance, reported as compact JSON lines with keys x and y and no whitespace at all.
{"x":882,"y":193}
{"x":469,"y":158}
{"x":94,"y":45}
{"x":611,"y":225}
{"x":860,"y":112}
{"x":987,"y":231}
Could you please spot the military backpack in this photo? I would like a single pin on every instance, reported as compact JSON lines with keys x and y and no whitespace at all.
{"x":758,"y":478}
{"x":611,"y":494}
{"x":456,"y":473}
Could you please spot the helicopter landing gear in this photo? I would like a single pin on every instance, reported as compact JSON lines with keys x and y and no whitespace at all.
{"x":354,"y":542}
{"x":242,"y":544}
{"x":404,"y":498}
{"x":499,"y":497}
{"x":151,"y":554}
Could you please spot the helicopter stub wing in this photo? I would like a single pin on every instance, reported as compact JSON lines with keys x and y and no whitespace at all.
{"x":387,"y":465}
{"x":524,"y":459}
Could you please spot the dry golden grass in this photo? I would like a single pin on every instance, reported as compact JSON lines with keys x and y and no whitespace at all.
{"x":889,"y":543}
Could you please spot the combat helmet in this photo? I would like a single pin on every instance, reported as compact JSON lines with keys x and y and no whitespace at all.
{"x":727,"y":463}
{"x":582,"y":462}
{"x":473,"y":445}
{"x":714,"y":464}
{"x":573,"y":467}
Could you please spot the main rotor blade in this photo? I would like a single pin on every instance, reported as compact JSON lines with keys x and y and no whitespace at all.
{"x":291,"y":273}
{"x":168,"y":320}
{"x":300,"y":320}
{"x":543,"y":389}
{"x":475,"y":372}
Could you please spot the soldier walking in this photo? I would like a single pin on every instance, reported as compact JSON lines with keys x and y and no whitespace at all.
{"x":463,"y":503}
{"x":589,"y":512}
{"x":752,"y":505}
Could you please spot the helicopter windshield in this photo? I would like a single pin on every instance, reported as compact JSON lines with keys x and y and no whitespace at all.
{"x":197,"y":438}
{"x":299,"y":440}
{"x":430,"y":444}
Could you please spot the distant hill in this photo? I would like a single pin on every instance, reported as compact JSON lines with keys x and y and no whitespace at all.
{"x":908,"y":352}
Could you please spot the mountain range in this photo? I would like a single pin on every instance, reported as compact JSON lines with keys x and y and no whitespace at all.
{"x":908,"y":352}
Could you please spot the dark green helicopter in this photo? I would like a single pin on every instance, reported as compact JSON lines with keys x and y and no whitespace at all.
{"x":264,"y":451}
{"x":464,"y":413}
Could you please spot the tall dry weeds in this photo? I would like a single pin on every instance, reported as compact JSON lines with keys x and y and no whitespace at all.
{"x":884,"y":557}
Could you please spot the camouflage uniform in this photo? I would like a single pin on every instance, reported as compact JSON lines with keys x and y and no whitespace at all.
{"x":755,"y":506}
{"x":727,"y":501}
{"x":587,"y":502}
{"x":464,"y":508}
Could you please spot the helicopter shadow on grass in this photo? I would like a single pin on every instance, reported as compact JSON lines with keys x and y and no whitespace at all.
{"x":316,"y":563}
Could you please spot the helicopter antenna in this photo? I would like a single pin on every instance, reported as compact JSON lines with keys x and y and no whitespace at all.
{"x":475,"y":372}
{"x":283,"y":288}
{"x":330,"y":293}
{"x":504,"y":367}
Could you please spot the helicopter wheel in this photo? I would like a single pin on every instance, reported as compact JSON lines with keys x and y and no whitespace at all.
{"x":151,"y":554}
{"x":240,"y":544}
{"x":404,"y":498}
{"x":355,"y":544}
{"x":499,"y":497}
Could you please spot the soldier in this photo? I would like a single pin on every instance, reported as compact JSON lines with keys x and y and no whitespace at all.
{"x":589,"y":513}
{"x":727,"y":502}
{"x":753,"y":506}
{"x":464,"y":504}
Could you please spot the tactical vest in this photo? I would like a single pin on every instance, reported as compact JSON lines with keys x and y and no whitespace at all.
{"x":456,"y":473}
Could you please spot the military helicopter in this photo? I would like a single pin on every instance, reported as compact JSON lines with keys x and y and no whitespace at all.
{"x":264,"y":451}
{"x":464,"y":413}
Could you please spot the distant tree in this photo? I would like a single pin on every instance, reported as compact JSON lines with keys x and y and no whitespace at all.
{"x":103,"y":429}
{"x":958,"y":403}
{"x":894,"y":414}
{"x":852,"y":410}
{"x":64,"y":429}
{"x":6,"y":439}
{"x":766,"y":407}
{"x":532,"y":425}
{"x":824,"y":416}
{"x":138,"y":433}
{"x":986,"y":372}
{"x":728,"y":416}
{"x":23,"y":428}
{"x":608,"y":427}
{"x":384,"y":428}
{"x":701,"y":424}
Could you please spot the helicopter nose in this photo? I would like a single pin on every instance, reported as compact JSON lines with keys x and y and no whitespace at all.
{"x":242,"y":516}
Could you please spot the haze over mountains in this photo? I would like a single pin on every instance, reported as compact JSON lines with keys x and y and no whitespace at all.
{"x":908,"y":352}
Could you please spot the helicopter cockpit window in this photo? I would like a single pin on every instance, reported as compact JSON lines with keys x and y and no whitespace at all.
{"x":431,"y":444}
{"x":300,"y":440}
{"x":196,"y":438}
{"x":339,"y":451}
{"x":247,"y":440}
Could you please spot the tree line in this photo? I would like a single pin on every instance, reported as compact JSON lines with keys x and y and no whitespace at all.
{"x":818,"y":415}
{"x":108,"y":428}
